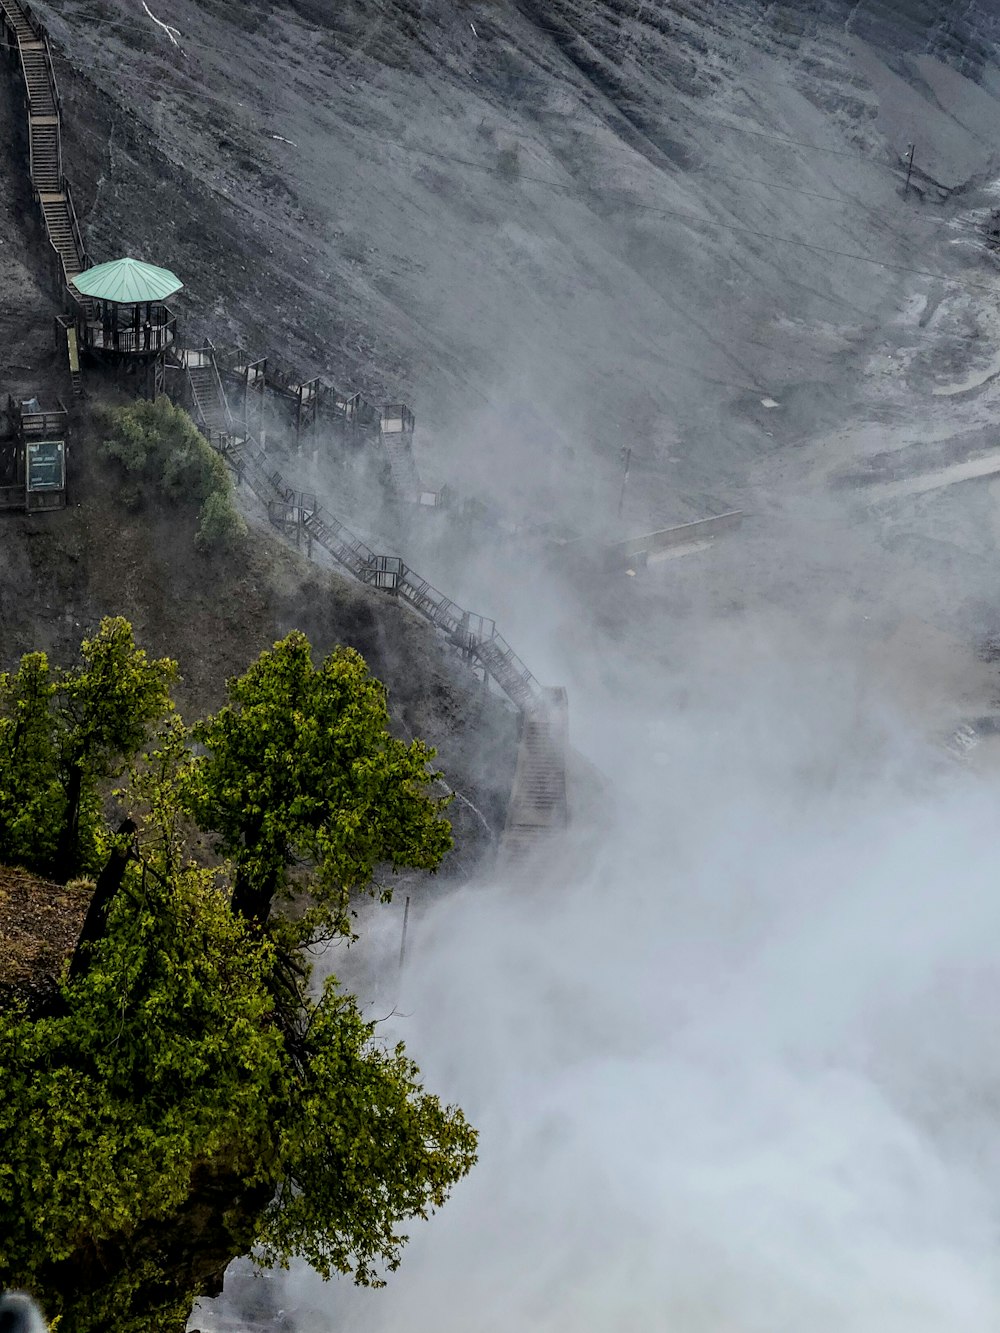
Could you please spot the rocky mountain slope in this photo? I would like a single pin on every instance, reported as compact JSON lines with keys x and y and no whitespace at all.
{"x":559,"y":231}
{"x":566,"y":226}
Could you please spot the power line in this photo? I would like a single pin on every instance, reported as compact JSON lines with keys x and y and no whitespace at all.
{"x":688,"y":113}
{"x":630,"y":199}
{"x":726,"y":174}
{"x":726,"y":125}
{"x":783,"y":139}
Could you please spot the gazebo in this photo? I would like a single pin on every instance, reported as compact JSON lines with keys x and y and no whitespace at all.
{"x":122,"y":314}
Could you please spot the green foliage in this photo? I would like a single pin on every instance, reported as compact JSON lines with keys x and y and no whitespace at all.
{"x":111,"y":701}
{"x":32,"y":789}
{"x":221,"y":526}
{"x":64,"y":732}
{"x":163,"y":1067}
{"x":361,"y":1120}
{"x":300,"y":765}
{"x":161,"y":450}
{"x":188,"y":1100}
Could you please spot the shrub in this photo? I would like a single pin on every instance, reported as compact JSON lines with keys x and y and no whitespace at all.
{"x":221,"y":523}
{"x":161,"y":451}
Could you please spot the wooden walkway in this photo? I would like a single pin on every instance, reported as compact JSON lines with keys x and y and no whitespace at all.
{"x":25,"y":35}
{"x":538,"y":803}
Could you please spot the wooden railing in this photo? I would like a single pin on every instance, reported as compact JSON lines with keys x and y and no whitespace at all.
{"x":153,"y":337}
{"x":81,"y":249}
{"x":15,"y":12}
{"x":50,"y":74}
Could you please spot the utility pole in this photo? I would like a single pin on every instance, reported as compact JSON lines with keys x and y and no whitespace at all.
{"x":627,"y":461}
{"x":909,"y":168}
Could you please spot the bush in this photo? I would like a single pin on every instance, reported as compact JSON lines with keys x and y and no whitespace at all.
{"x":221,"y":523}
{"x":160,"y":450}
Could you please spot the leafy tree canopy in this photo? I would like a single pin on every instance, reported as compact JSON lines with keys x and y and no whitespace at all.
{"x":191,"y":1096}
{"x":300,"y":765}
{"x":62,"y":733}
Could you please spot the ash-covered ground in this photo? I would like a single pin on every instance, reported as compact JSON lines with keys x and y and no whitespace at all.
{"x":559,"y":231}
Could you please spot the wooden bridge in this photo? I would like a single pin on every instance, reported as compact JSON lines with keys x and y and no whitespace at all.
{"x":310,"y":404}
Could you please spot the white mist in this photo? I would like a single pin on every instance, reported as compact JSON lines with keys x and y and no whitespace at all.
{"x":737,"y":1070}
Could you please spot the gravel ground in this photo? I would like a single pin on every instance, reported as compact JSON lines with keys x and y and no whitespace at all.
{"x":39,"y":926}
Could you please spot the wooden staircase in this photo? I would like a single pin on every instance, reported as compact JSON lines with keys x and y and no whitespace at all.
{"x":538,"y":796}
{"x":396,"y":427}
{"x":475,"y":636}
{"x":246,"y":458}
{"x":538,"y":799}
{"x":44,"y":138}
{"x":350,"y":551}
{"x":21,"y":27}
{"x":209,"y":397}
{"x":59,"y":225}
{"x":45,"y":173}
{"x":507,"y":669}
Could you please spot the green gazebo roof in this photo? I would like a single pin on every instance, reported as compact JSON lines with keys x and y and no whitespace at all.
{"x":127,"y":282}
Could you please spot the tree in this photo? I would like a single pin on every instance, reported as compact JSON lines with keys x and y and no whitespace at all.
{"x":300,"y":765}
{"x":158,"y":1082}
{"x":64,"y":732}
{"x":190,"y":1099}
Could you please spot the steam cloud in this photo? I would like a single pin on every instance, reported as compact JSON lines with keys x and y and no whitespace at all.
{"x":735,"y":1059}
{"x":736,"y":1067}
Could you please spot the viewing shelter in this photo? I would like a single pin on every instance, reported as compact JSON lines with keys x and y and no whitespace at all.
{"x":122,"y":311}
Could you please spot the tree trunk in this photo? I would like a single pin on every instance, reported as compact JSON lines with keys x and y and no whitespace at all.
{"x":109,"y":881}
{"x":253,"y":894}
{"x":252,"y":900}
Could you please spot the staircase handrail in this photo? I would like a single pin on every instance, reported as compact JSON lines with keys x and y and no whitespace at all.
{"x":50,"y":70}
{"x":512,"y":659}
{"x":74,"y":222}
{"x":467,"y":630}
{"x":431,"y":603}
{"x":60,"y":265}
{"x":37,"y":26}
{"x":27,"y":87}
{"x":360,"y":549}
{"x":50,"y":76}
{"x":29,"y":16}
{"x":219,"y":385}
